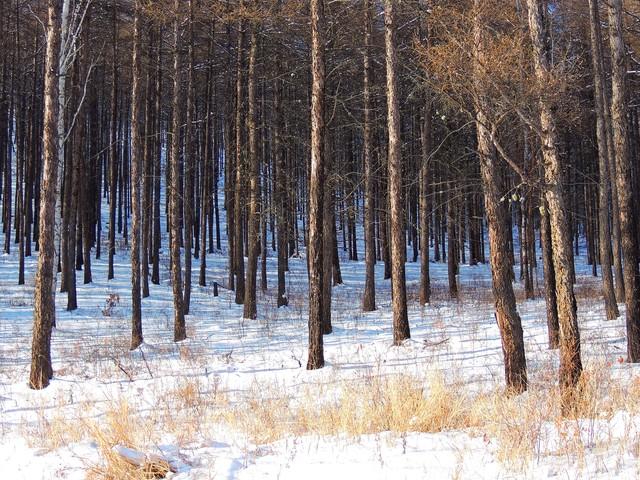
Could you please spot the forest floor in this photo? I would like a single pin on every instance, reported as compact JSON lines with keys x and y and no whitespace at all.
{"x":234,"y":400}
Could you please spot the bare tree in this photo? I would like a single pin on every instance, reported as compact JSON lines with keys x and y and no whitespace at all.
{"x":509,"y":323}
{"x":398,"y":280}
{"x":250,"y":308}
{"x":179,"y":332}
{"x":604,"y":240}
{"x":316,"y":186}
{"x":570,"y":359}
{"x":136,"y":181}
{"x":369,"y":297}
{"x":623,"y":179}
{"x":44,"y":303}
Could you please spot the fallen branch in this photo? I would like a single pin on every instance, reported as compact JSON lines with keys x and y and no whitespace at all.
{"x":122,"y":369}
{"x":428,"y":343}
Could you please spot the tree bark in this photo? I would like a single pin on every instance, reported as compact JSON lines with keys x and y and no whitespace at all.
{"x":250,"y":308}
{"x":179,"y":330}
{"x":623,"y":180}
{"x":561,"y":240}
{"x":238,"y":204}
{"x":188,"y":170}
{"x":136,"y":180}
{"x":113,"y":147}
{"x":604,"y":233}
{"x":316,"y":186}
{"x":44,"y":297}
{"x":425,"y":142}
{"x":281,"y":200}
{"x":369,"y":296}
{"x":553,"y":327}
{"x":398,"y":281}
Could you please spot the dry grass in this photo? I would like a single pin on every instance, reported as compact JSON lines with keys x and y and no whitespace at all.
{"x":518,"y":430}
{"x":121,"y":426}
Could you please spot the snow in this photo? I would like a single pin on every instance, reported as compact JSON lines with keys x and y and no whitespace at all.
{"x":231,"y":358}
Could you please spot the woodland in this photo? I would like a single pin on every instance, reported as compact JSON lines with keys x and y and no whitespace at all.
{"x":258,"y":182}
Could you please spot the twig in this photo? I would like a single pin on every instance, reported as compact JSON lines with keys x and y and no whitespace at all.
{"x":145,"y":362}
{"x":119,"y":365}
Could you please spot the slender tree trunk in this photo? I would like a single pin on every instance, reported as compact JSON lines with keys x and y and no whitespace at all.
{"x":250,"y":308}
{"x":553,"y":326}
{"x":452,"y":254}
{"x":67,"y":45}
{"x":497,"y":212}
{"x":147,"y":178}
{"x":188,"y":170}
{"x":280,"y":193}
{"x":425,"y":142}
{"x":328,"y":214}
{"x":207,"y":165}
{"x":136,"y":180}
{"x":398,"y":281}
{"x":73,"y":189}
{"x":369,"y":297}
{"x":316,"y":186}
{"x":611,"y":307}
{"x":561,"y":240}
{"x":44,"y":301}
{"x":157,"y":167}
{"x":113,"y":148}
{"x":238,"y":204}
{"x":623,"y":180}
{"x":179,"y":330}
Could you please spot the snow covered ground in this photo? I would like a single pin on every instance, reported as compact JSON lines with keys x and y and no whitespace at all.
{"x":234,"y":400}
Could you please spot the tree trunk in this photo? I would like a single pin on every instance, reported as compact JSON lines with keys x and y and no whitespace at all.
{"x":188,"y":171}
{"x":179,"y":330}
{"x":157,"y":167}
{"x":611,"y":307}
{"x":250,"y":308}
{"x":553,"y":327}
{"x":369,"y":296}
{"x":398,"y":282}
{"x":238,"y":204}
{"x":113,"y":147}
{"x":136,"y":180}
{"x":316,"y":186}
{"x":561,"y":240}
{"x":44,"y":297}
{"x":623,"y":180}
{"x":425,"y":142}
{"x":497,"y":212}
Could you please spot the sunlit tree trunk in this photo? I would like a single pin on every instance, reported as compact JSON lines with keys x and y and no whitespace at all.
{"x":623,"y":179}
{"x":398,"y":280}
{"x":316,"y":186}
{"x":250,"y":308}
{"x":44,"y":297}
{"x":561,"y":240}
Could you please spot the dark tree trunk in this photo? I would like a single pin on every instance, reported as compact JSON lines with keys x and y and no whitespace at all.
{"x":179,"y":330}
{"x":250,"y":308}
{"x":136,"y":180}
{"x":369,"y":296}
